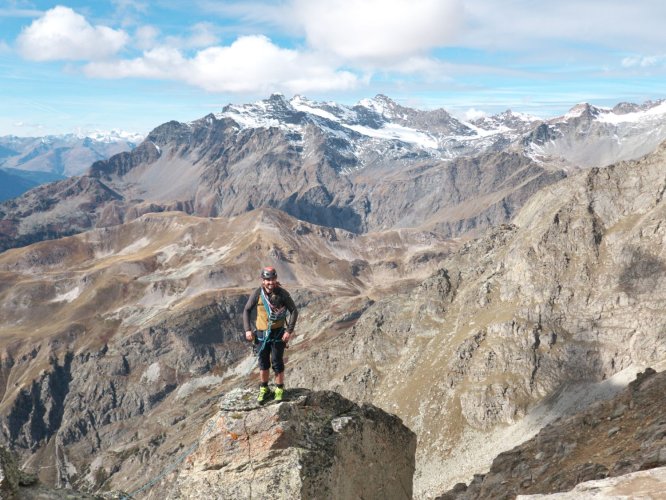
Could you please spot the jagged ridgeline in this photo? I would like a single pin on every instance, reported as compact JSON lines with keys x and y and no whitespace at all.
{"x":119,"y":341}
{"x":376,"y":165}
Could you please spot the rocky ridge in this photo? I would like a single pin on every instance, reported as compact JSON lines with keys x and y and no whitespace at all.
{"x":311,"y":445}
{"x":611,"y":438}
{"x":335,"y":165}
{"x":571,"y":293}
{"x":277,"y":155}
{"x":588,"y":136}
{"x":644,"y":484}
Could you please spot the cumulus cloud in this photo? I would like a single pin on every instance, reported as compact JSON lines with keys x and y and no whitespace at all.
{"x":62,"y":34}
{"x":345,"y":43}
{"x":161,"y":62}
{"x":377,"y":31}
{"x":251,"y":64}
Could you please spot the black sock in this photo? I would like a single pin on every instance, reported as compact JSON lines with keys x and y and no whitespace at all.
{"x":264,"y":384}
{"x":279,"y":386}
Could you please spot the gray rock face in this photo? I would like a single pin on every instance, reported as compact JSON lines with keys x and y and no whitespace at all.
{"x":342,"y":167}
{"x":572,"y":292}
{"x":312,"y":445}
{"x":119,"y":377}
{"x":123,"y":380}
{"x":612,"y":438}
{"x":9,"y":474}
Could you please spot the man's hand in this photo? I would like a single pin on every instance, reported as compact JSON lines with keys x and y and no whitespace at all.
{"x":249,"y":336}
{"x":286,"y":336}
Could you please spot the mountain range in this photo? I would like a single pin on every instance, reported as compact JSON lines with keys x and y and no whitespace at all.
{"x":26,"y":162}
{"x":478,"y":280}
{"x":373,"y":166}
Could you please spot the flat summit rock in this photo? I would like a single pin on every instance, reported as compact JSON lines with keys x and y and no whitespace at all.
{"x":312,"y":445}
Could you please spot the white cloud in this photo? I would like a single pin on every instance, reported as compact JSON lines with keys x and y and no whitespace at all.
{"x":128,"y":12}
{"x":532,"y":28}
{"x":252,"y":64}
{"x":201,"y":35}
{"x":644,"y":61}
{"x":130,"y":6}
{"x":474,"y":114}
{"x":160,"y":63}
{"x":377,"y":31}
{"x":145,"y":37}
{"x":62,"y":34}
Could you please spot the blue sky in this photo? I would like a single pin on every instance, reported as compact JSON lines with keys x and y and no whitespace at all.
{"x":134,"y":64}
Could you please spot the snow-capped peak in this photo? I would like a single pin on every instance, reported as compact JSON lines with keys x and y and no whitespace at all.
{"x":380,"y":104}
{"x":110,"y":136}
{"x":582,"y":109}
{"x":657,"y":111}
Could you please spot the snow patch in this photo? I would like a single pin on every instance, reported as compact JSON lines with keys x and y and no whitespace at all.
{"x":392,"y":131}
{"x":70,"y":296}
{"x":152,"y":373}
{"x":300,"y":104}
{"x":484,"y":132}
{"x":636,"y":117}
{"x":576,"y":111}
{"x":110,"y":136}
{"x":157,"y":148}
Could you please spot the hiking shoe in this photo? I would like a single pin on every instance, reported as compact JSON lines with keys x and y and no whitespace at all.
{"x":279,"y":393}
{"x":264,"y":394}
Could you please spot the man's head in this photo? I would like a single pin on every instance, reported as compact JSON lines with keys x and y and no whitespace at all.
{"x":268,"y":278}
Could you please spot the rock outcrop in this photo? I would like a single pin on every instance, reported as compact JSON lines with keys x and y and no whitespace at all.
{"x":312,"y":445}
{"x":649,"y":484}
{"x":9,"y":474}
{"x":611,"y":438}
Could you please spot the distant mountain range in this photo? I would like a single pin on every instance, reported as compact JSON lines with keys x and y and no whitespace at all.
{"x":26,"y":162}
{"x":372,"y":166}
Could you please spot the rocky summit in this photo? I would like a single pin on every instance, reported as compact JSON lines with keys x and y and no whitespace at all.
{"x":312,"y":445}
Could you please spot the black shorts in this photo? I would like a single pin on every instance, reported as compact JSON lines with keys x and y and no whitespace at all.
{"x":271,"y":354}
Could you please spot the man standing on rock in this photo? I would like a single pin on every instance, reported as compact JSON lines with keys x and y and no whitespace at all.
{"x":273,"y":329}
